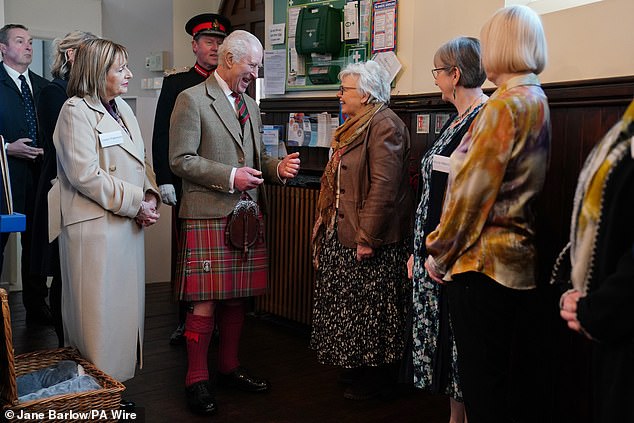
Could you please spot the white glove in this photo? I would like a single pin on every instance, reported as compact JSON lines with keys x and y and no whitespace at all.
{"x":168,"y":194}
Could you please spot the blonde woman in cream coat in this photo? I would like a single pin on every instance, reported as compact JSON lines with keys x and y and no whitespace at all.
{"x":103,"y":198}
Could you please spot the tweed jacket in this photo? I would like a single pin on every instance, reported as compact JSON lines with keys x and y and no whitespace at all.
{"x":375,"y":198}
{"x":206,"y":144}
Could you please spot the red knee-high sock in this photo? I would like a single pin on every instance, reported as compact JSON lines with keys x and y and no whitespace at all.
{"x":230,"y":321}
{"x":198,"y":331}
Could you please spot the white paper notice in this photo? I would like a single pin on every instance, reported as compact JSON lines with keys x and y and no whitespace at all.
{"x":389,"y":62}
{"x":324,"y":130}
{"x":274,"y":71}
{"x":297,"y":64}
{"x":293,"y":15}
{"x":351,"y":21}
{"x":422,"y":124}
{"x":276,"y":33}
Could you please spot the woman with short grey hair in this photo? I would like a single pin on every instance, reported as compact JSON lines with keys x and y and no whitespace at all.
{"x":359,"y":238}
{"x":373,"y":80}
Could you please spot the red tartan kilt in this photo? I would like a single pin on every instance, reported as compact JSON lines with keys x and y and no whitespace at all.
{"x":208,"y":269}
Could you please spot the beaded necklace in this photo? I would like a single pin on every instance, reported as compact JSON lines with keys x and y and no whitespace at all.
{"x":466,"y":112}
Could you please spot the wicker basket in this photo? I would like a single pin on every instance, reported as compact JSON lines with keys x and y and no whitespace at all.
{"x":67,"y":407}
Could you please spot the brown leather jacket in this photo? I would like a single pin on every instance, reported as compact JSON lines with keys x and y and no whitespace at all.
{"x":375,"y":198}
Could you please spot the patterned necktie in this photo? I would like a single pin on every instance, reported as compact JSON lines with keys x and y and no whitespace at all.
{"x":243,"y":113}
{"x":29,"y":110}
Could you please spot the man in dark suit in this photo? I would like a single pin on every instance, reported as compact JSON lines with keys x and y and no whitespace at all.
{"x":208,"y":31}
{"x":19,"y":91}
{"x":216,"y":148}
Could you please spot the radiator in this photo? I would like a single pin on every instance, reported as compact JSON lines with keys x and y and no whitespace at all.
{"x":289,"y":222}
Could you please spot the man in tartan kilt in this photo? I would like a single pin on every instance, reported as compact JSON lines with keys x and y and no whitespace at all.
{"x":208,"y":30}
{"x":216,"y":148}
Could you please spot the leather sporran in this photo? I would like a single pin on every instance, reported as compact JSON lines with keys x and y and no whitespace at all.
{"x":244,"y":225}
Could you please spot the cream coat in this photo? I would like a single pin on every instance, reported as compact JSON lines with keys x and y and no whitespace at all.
{"x":92,"y":206}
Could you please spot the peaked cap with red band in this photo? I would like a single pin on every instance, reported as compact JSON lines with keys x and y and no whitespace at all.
{"x":208,"y":24}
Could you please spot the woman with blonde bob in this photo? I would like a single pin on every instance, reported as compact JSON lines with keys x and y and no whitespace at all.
{"x":484,"y":246}
{"x":104,"y":196}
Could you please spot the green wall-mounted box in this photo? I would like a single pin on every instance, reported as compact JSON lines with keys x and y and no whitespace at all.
{"x":318,"y":30}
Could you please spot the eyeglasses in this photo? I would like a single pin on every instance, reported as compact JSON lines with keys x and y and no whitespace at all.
{"x":436,"y":71}
{"x":343,"y":89}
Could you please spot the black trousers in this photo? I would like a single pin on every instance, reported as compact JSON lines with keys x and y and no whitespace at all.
{"x":489,"y":327}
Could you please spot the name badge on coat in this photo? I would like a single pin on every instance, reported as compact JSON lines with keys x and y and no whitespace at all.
{"x":108,"y":139}
{"x":441,"y":163}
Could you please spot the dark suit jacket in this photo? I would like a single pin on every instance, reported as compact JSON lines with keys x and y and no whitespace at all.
{"x":12,"y":127}
{"x":172,"y":87}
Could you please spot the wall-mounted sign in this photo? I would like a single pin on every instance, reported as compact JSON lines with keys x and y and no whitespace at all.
{"x":384,"y":25}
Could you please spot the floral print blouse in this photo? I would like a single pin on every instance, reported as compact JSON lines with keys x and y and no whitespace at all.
{"x":487,"y":224}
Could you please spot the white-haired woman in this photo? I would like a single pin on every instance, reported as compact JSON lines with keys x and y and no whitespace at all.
{"x":359,"y":238}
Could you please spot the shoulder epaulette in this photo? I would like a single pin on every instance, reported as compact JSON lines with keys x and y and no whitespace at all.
{"x":174,"y":71}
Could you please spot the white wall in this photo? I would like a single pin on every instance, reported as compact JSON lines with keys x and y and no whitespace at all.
{"x":586,"y":42}
{"x":50,"y":19}
{"x":143,"y":27}
{"x":182,"y":11}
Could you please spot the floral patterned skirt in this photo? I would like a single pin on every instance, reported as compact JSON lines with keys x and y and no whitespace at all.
{"x":434,"y":354}
{"x":360,"y":308}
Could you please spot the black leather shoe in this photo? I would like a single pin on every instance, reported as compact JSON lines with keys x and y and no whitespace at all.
{"x":200,"y":399}
{"x":240,"y":379}
{"x":39,"y":315}
{"x":178,"y":336}
{"x":127,"y":405}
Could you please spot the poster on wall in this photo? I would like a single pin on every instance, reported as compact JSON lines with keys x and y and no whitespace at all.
{"x":384,"y":26}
